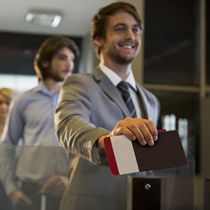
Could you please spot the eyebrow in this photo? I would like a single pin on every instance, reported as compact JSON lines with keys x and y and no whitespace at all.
{"x":64,"y":55}
{"x":123,"y":24}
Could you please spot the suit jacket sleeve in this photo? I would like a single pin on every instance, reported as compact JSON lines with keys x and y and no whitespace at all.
{"x":74,"y":129}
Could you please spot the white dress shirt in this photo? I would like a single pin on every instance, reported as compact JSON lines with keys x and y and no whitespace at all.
{"x":115,"y":79}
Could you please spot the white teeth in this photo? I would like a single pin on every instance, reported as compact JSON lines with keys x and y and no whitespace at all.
{"x":129,"y":47}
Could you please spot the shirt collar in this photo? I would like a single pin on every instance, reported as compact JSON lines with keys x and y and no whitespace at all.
{"x":115,"y":79}
{"x":42,"y":88}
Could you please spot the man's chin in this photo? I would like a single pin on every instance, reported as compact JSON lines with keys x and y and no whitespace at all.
{"x":58,"y":79}
{"x":125,"y":60}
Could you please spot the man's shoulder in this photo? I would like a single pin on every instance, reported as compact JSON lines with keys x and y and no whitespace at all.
{"x":24,"y":95}
{"x":23,"y":99}
{"x":79,"y":75}
{"x":79,"y":78}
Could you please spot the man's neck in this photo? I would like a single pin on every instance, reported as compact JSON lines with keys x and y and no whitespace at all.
{"x":53,"y":86}
{"x":122,"y":70}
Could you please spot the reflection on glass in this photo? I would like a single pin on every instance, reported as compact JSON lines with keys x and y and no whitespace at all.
{"x":183,"y":132}
{"x":169,"y":122}
{"x":185,"y":107}
{"x":33,"y":176}
{"x":105,"y":191}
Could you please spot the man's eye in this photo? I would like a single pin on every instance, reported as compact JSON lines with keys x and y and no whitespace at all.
{"x":72,"y":58}
{"x":62,"y":58}
{"x":136,"y":30}
{"x":119,"y":29}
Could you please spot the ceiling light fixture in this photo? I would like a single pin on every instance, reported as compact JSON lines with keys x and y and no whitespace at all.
{"x":45,"y":18}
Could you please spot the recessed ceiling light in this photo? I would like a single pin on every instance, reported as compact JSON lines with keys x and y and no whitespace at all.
{"x":44,"y":18}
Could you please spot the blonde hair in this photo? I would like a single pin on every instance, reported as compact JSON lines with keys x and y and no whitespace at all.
{"x":7,"y":92}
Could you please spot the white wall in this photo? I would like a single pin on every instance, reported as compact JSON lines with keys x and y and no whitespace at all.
{"x":19,"y":83}
{"x":88,"y":55}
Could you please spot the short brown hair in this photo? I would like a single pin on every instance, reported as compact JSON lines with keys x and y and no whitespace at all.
{"x":100,"y":20}
{"x":48,"y":49}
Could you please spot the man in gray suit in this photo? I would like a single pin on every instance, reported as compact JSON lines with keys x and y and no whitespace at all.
{"x":91,"y":108}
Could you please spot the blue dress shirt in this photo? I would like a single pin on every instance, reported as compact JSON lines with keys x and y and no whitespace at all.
{"x":31,"y":122}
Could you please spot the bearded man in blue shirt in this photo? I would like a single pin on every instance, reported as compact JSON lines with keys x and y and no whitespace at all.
{"x":31,"y":119}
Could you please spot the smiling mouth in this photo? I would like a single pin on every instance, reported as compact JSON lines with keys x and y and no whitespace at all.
{"x":127,"y":46}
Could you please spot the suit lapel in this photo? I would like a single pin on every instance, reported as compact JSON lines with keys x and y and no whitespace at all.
{"x":110,"y":90}
{"x":149,"y":110}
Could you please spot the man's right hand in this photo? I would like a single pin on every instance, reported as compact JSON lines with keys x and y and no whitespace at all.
{"x":16,"y":196}
{"x":134,"y":128}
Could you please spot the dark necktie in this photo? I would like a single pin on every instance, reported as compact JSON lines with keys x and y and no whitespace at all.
{"x":123,"y":87}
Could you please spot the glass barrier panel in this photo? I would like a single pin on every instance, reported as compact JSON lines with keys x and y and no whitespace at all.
{"x":36,"y":178}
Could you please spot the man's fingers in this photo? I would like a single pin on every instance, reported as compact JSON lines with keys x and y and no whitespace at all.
{"x":124,"y":130}
{"x":56,"y":185}
{"x":18,"y":195}
{"x":143,"y":130}
{"x":152,"y":129}
{"x":58,"y":191}
{"x":50,"y":184}
{"x":146,"y":133}
{"x":26,"y":199}
{"x":131,"y":131}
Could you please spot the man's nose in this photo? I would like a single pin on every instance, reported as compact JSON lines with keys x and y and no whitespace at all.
{"x":129,"y":34}
{"x":69,"y":62}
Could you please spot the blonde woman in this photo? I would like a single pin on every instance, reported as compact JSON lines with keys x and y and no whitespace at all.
{"x":6,"y":96}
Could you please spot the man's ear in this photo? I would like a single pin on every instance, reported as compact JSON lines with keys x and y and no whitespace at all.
{"x":99,"y":41}
{"x":45,"y":64}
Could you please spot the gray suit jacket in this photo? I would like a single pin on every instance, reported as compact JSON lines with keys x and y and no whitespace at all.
{"x":90,"y":106}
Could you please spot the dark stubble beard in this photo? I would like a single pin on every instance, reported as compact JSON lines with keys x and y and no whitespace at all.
{"x":120,"y":59}
{"x":54,"y":75}
{"x":115,"y":56}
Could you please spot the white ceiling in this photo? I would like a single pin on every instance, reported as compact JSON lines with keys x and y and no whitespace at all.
{"x":76,"y":19}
